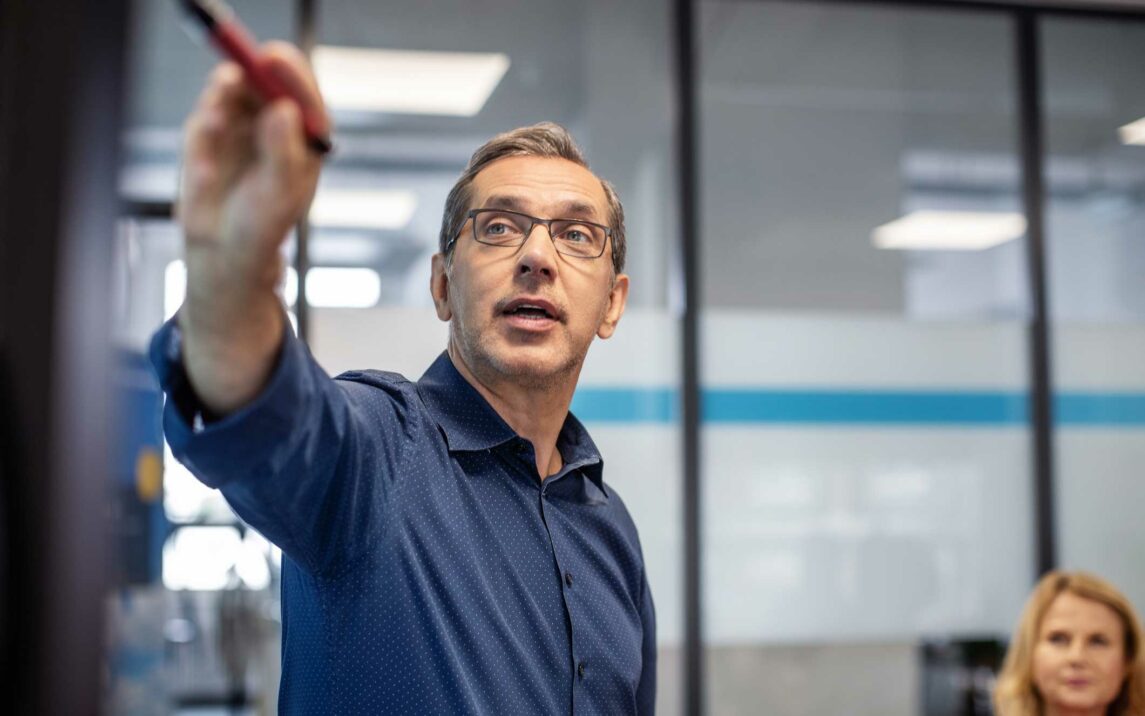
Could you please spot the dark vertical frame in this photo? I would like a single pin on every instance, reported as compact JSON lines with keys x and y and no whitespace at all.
{"x":686,"y":37}
{"x":60,"y":123}
{"x":306,"y":34}
{"x":1033,"y":198}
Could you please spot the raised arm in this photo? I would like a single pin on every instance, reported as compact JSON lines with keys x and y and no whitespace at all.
{"x":248,"y":177}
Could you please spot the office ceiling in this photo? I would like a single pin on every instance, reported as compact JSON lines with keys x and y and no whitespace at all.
{"x":935,"y":91}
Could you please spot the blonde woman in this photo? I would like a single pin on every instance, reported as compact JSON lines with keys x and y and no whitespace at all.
{"x":1077,"y":651}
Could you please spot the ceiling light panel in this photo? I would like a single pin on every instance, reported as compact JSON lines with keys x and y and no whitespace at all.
{"x":408,"y":82}
{"x":1133,"y":133}
{"x":363,"y":208}
{"x":950,"y":230}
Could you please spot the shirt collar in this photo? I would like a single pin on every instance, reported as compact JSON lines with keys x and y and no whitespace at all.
{"x":470,"y":423}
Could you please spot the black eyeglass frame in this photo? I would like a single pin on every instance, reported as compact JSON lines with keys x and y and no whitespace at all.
{"x":471,"y":218}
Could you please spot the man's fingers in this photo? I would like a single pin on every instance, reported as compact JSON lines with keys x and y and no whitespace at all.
{"x":290,"y":67}
{"x":227,"y":103}
{"x":233,"y":91}
{"x":247,"y":170}
{"x":278,"y":134}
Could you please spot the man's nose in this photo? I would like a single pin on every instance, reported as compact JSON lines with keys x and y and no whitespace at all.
{"x":538,"y":254}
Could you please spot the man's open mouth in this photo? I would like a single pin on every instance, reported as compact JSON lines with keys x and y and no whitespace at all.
{"x":532,"y":310}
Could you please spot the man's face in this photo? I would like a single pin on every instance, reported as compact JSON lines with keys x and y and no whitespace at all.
{"x":528,"y":314}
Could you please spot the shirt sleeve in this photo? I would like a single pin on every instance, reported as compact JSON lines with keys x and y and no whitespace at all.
{"x":646,"y":690}
{"x":308,"y":463}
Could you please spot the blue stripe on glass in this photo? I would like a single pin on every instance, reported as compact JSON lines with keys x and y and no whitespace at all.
{"x":858,"y":407}
{"x":863,"y":407}
{"x":626,"y":405}
{"x":1100,"y":409}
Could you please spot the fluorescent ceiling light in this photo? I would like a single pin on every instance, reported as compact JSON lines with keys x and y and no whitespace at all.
{"x":950,"y":230}
{"x":1133,"y":133}
{"x":326,"y":287}
{"x":330,"y":287}
{"x":363,"y":208}
{"x":408,"y":82}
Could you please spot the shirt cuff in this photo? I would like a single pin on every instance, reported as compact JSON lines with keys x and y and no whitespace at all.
{"x":220,"y":449}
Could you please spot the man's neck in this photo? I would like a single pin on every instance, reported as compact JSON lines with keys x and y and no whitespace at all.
{"x":535,"y":413}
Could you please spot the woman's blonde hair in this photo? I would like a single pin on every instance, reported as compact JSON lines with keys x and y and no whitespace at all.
{"x":1016,"y":695}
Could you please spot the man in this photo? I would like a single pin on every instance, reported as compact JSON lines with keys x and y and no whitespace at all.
{"x":450,"y":546}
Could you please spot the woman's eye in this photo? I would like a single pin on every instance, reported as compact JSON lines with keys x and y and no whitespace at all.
{"x":1058,"y":638}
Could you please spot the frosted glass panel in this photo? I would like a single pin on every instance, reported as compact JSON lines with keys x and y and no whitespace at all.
{"x":865,"y":447}
{"x":1096,"y":252}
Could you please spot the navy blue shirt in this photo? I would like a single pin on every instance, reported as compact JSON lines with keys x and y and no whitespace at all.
{"x":427,"y":569}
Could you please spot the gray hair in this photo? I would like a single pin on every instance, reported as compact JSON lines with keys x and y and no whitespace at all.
{"x":545,"y":139}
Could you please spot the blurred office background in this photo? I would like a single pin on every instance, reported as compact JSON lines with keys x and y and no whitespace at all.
{"x":883,"y":362}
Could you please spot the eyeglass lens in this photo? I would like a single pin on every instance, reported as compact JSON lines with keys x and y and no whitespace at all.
{"x":571,"y":237}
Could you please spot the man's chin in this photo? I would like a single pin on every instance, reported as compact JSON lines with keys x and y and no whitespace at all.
{"x":531,"y":365}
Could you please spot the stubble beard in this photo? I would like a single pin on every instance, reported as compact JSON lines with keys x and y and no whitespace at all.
{"x":482,"y":358}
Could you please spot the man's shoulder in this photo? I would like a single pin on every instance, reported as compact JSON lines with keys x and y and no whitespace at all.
{"x":368,"y":386}
{"x":383,"y":379}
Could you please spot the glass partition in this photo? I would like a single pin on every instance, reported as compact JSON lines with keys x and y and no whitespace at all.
{"x":865,"y":457}
{"x":1094,"y":114}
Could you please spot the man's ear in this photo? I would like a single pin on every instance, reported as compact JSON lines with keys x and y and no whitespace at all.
{"x":439,"y":287}
{"x":617,"y":298}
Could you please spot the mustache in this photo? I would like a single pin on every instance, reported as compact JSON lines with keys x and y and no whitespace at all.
{"x":504,"y":304}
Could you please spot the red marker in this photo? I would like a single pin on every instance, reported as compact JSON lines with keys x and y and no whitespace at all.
{"x":235,"y":42}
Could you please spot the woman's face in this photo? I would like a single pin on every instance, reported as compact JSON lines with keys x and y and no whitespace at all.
{"x":1079,"y":660}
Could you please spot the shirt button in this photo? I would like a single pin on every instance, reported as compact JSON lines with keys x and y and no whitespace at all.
{"x":580,"y":669}
{"x":568,"y":578}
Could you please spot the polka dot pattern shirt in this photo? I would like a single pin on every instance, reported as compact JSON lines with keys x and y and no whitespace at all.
{"x":427,"y":569}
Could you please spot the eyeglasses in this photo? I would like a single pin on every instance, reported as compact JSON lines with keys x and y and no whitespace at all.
{"x":571,"y":237}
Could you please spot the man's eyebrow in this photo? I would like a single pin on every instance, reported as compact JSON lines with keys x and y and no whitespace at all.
{"x":504,"y":201}
{"x":567,"y":210}
{"x":577,"y":210}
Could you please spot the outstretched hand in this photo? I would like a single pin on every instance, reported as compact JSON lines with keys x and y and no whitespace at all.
{"x":249,"y":175}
